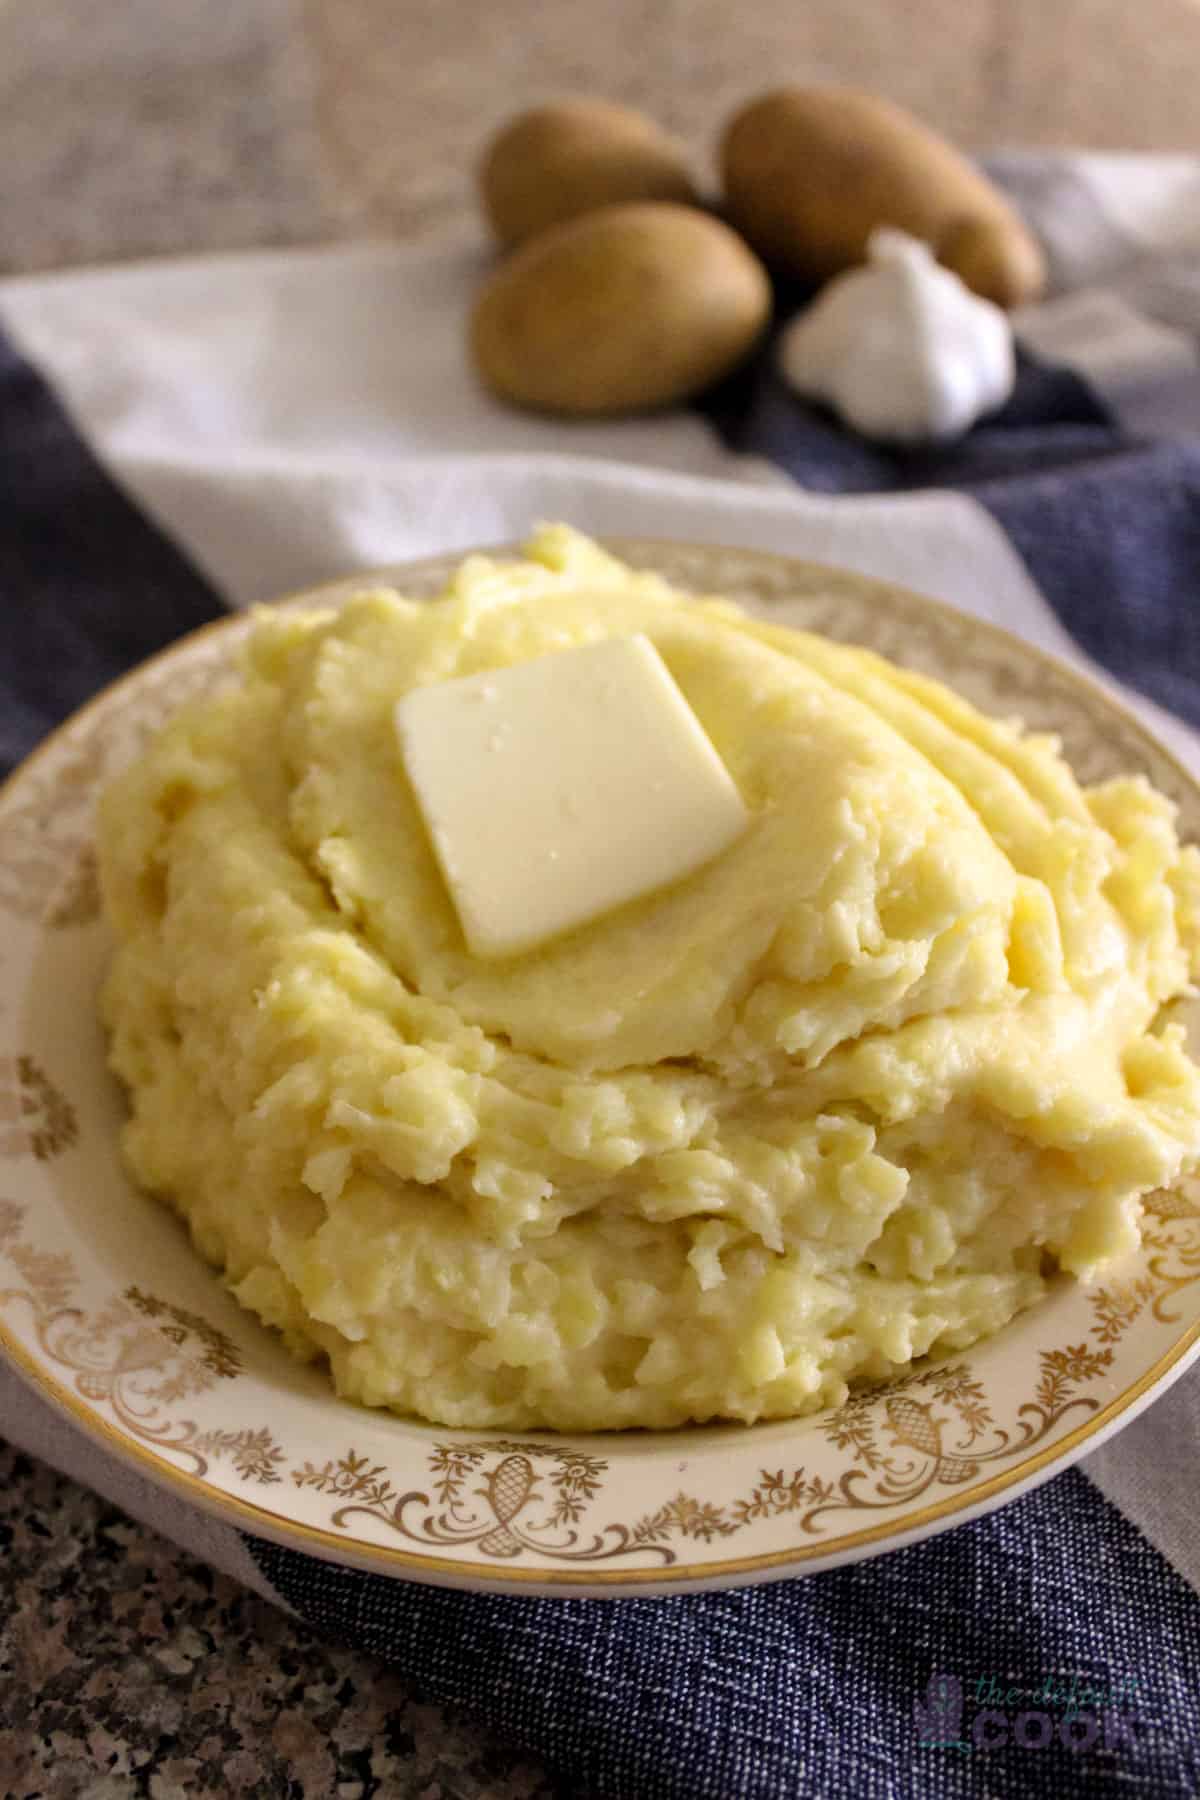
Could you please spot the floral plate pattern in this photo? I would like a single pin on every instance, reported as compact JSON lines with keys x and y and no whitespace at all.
{"x":109,"y":1314}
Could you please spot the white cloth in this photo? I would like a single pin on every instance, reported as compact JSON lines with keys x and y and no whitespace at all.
{"x":292,"y":417}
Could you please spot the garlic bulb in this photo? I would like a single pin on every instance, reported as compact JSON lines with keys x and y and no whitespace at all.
{"x":900,"y":347}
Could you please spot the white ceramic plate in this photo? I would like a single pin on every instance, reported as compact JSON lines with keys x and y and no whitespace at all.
{"x":110,"y":1315}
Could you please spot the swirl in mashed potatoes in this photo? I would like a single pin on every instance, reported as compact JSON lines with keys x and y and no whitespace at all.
{"x":844,"y":1096}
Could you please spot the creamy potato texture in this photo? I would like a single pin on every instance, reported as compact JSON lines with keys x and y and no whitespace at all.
{"x":839,"y":1098}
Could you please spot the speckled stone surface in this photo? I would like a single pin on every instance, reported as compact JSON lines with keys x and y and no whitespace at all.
{"x":128,"y":1668}
{"x":166,"y":126}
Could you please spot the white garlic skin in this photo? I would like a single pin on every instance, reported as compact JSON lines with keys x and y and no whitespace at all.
{"x":900,"y":348}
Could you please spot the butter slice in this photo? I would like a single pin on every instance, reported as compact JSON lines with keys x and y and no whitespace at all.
{"x":557,"y":789}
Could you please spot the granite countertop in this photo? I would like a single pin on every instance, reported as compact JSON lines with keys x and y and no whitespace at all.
{"x":128,"y":1667}
{"x":163,"y":127}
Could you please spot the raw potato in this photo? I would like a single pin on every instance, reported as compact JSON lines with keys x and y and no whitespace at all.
{"x":810,"y":172}
{"x":556,"y":162}
{"x":631,"y":308}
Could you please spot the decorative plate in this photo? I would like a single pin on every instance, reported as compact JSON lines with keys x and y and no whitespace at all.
{"x":109,"y":1314}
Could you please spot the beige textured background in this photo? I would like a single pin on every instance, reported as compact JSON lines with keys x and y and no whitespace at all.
{"x":140,"y":126}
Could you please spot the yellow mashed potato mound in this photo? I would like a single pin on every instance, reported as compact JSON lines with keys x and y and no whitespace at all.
{"x":840,"y":1098}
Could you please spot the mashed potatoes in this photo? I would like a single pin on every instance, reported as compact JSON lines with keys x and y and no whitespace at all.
{"x":840,"y":1098}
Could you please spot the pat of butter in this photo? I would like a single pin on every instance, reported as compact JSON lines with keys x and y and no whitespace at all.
{"x":560,"y":788}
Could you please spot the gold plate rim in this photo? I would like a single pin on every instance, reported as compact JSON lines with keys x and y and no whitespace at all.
{"x":971,"y":1502}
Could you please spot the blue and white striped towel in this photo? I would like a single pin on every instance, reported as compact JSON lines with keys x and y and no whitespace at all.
{"x":182,"y":438}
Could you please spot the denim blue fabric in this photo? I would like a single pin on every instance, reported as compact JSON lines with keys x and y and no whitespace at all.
{"x":1108,"y":524}
{"x":88,"y":585}
{"x":819,"y":1687}
{"x":829,"y":1686}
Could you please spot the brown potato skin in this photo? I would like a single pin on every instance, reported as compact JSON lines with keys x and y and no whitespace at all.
{"x":624,"y":310}
{"x":559,"y":161}
{"x":809,"y":173}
